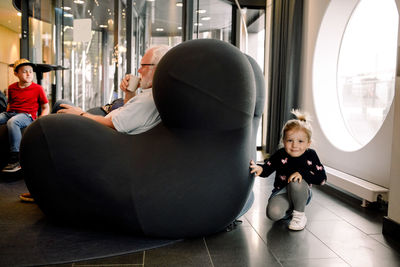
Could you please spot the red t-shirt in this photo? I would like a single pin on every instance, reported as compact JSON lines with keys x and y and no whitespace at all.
{"x":26,"y":100}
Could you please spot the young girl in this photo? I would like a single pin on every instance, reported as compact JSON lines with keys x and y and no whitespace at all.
{"x":297,"y":167}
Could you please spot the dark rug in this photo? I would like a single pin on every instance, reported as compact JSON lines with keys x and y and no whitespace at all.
{"x":28,"y":238}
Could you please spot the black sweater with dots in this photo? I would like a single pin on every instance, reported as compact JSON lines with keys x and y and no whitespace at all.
{"x":308,"y":165}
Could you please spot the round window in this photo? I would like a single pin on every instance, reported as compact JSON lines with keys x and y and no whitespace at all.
{"x":364,"y":75}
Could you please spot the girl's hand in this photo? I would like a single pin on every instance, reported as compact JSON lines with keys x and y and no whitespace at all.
{"x":295,"y":177}
{"x":255,"y":168}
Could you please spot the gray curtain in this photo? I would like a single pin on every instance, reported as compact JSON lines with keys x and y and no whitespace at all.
{"x":284,"y":80}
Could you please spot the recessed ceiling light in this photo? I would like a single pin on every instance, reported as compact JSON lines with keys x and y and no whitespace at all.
{"x":179,"y":4}
{"x":103,"y":26}
{"x":198,"y":24}
{"x":159,"y":29}
{"x":66,"y":8}
{"x":201,"y":11}
{"x":205,"y":18}
{"x":179,"y":28}
{"x":79,"y":1}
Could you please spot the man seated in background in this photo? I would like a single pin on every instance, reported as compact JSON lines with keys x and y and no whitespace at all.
{"x":138,"y":114}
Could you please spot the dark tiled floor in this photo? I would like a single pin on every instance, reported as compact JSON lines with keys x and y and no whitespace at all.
{"x":339,"y":233}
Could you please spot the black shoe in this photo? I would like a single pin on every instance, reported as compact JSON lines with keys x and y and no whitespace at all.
{"x":12,"y":167}
{"x":233,"y":225}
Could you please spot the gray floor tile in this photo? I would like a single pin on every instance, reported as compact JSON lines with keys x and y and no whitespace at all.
{"x":294,"y":245}
{"x":352,"y":245}
{"x":387,"y":241}
{"x":368,"y":220}
{"x":286,"y":244}
{"x":315,"y":212}
{"x":59,"y":265}
{"x":365,"y":222}
{"x":191,"y":252}
{"x":337,"y":262}
{"x":241,"y":247}
{"x":127,"y":259}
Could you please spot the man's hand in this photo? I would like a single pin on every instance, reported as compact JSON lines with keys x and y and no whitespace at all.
{"x":124,"y":83}
{"x":124,"y":87}
{"x":68,"y":109}
{"x":295,"y":177}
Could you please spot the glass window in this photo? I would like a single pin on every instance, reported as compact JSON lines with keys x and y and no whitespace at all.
{"x":94,"y":50}
{"x":212,"y":19}
{"x":354,"y":70}
{"x":255,"y":20}
{"x":161,"y":23}
{"x":366,"y":68}
{"x":41,"y":40}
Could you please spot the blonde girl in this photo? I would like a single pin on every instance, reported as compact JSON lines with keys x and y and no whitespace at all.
{"x":297,"y":167}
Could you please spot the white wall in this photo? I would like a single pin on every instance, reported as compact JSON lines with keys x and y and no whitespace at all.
{"x":9,"y":52}
{"x":376,"y":162}
{"x":372,"y":162}
{"x":394,"y":196}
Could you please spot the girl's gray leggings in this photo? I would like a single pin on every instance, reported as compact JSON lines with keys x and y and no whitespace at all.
{"x":294,"y":199}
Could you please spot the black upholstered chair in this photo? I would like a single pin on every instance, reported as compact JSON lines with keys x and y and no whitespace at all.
{"x":188,"y":176}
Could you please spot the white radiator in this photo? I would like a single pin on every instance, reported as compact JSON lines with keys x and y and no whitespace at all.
{"x":365,"y":190}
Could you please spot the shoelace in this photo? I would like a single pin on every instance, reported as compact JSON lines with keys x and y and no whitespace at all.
{"x":297,"y":217}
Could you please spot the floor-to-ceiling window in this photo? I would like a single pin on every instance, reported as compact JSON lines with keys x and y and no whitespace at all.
{"x":255,"y":21}
{"x":212,"y":19}
{"x":93,"y":50}
{"x":91,"y":39}
{"x":41,"y":48}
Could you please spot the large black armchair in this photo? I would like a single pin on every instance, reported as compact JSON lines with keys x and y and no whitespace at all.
{"x":188,"y":176}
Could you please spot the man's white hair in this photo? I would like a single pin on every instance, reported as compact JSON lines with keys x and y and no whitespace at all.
{"x":158,"y":52}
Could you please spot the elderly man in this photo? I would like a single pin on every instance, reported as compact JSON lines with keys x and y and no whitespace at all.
{"x":138,"y":114}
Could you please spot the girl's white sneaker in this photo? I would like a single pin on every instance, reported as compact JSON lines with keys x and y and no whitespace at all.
{"x":299,"y":221}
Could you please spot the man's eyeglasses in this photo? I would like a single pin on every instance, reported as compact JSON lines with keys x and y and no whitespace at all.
{"x":144,"y":65}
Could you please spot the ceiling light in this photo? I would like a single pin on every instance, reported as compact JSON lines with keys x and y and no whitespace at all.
{"x":179,"y":28}
{"x":201,"y":11}
{"x":79,"y":1}
{"x":66,"y":8}
{"x":67,"y":15}
{"x":205,"y":18}
{"x":179,"y":4}
{"x":198,"y":24}
{"x":103,"y":26}
{"x":159,"y":29}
